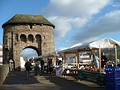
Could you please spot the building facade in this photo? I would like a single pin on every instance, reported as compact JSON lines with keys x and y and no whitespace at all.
{"x":26,"y":31}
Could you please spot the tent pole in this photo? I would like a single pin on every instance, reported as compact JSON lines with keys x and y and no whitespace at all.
{"x":115,"y":55}
{"x":100,"y":59}
{"x":64,"y":59}
{"x":77,"y":57}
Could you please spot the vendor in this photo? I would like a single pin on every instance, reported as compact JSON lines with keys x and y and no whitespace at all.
{"x":103,"y":60}
{"x":95,"y":61}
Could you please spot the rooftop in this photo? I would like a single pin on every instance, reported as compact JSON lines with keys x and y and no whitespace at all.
{"x":27,"y":19}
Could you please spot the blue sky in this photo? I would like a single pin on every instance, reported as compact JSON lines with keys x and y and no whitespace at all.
{"x":76,"y":21}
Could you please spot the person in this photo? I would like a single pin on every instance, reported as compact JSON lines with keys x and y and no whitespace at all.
{"x":28,"y":68}
{"x":42,"y":66}
{"x":59,"y":68}
{"x":50,"y":66}
{"x":95,"y":61}
{"x":103,"y":60}
{"x":59,"y":62}
{"x":37,"y":67}
{"x":11,"y":64}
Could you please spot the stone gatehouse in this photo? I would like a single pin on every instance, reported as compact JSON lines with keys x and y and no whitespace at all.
{"x":26,"y":31}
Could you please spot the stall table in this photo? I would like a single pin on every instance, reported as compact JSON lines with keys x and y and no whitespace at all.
{"x":70,"y":71}
{"x":92,"y":76}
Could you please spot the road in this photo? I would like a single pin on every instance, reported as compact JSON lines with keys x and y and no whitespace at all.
{"x":18,"y":81}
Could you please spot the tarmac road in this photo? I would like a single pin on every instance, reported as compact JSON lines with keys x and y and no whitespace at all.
{"x":18,"y":81}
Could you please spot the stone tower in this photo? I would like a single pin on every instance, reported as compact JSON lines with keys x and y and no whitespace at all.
{"x":26,"y":31}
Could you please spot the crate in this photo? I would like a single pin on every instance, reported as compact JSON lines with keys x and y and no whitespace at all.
{"x":112,"y":73}
{"x":112,"y":70}
{"x":112,"y":86}
{"x":112,"y":78}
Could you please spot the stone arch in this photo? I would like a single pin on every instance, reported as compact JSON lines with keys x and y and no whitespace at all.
{"x":32,"y":47}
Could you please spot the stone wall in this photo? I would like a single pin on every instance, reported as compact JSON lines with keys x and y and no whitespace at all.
{"x":4,"y":70}
{"x":18,"y":37}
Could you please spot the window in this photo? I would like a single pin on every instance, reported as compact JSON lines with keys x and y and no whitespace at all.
{"x":23,"y":38}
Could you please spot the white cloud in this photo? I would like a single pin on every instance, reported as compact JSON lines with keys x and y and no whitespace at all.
{"x":79,"y":8}
{"x":69,"y":14}
{"x":110,"y":23}
{"x":62,"y":25}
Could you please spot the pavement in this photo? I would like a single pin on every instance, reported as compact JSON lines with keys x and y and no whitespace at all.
{"x":18,"y":81}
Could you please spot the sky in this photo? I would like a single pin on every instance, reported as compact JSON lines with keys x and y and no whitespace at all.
{"x":76,"y":21}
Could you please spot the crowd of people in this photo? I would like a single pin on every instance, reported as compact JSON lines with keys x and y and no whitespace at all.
{"x":39,"y":66}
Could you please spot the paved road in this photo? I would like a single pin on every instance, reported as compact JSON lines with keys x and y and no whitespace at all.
{"x":18,"y":81}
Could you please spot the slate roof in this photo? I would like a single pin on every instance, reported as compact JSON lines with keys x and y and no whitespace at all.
{"x":27,"y":19}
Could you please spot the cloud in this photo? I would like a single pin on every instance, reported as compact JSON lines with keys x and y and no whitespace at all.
{"x":65,"y":24}
{"x":62,"y":24}
{"x":75,"y":8}
{"x":110,"y":23}
{"x":67,"y":15}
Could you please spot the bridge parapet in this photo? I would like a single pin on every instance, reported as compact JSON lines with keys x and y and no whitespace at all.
{"x":4,"y":70}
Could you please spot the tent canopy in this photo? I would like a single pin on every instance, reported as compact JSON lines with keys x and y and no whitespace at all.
{"x":105,"y":43}
{"x":102,"y":43}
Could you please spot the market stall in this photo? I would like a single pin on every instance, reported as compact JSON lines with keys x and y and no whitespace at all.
{"x":66,"y":55}
{"x":91,"y":73}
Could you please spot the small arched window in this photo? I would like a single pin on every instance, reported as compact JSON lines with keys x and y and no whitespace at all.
{"x":16,"y":37}
{"x":38,"y":38}
{"x":23,"y":38}
{"x":30,"y":38}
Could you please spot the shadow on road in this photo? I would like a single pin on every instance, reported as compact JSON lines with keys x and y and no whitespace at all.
{"x":18,"y":81}
{"x":19,"y":78}
{"x":70,"y":84}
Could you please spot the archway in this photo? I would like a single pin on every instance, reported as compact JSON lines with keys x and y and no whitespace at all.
{"x":29,"y":53}
{"x":26,"y":54}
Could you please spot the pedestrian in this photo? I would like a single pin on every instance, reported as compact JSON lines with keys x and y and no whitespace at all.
{"x":50,"y":66}
{"x":37,"y":67}
{"x":42,"y":66}
{"x":28,"y":68}
{"x":59,"y":69}
{"x":96,"y":61}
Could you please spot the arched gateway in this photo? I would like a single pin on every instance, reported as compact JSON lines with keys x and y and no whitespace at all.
{"x":24,"y":31}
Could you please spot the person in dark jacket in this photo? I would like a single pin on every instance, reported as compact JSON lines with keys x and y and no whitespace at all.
{"x":42,"y":66}
{"x":28,"y":68}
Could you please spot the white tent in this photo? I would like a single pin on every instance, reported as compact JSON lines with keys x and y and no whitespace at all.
{"x":71,"y":49}
{"x":42,"y":56}
{"x":102,"y":43}
{"x":98,"y":44}
{"x":54,"y":54}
